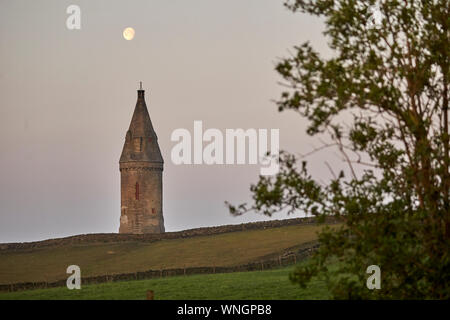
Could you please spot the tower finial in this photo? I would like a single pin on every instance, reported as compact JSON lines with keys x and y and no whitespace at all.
{"x":140,"y":85}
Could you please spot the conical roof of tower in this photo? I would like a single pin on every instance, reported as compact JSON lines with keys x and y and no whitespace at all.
{"x":141,"y":141}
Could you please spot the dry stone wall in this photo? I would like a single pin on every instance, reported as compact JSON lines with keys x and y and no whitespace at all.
{"x":288,"y":258}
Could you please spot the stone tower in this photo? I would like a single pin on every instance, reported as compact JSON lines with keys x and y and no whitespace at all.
{"x":141,"y":167}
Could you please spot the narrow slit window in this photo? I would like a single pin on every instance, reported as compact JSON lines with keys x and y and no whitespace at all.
{"x":137,"y":191}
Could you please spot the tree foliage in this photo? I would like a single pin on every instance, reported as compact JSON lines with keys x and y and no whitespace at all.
{"x":391,"y":80}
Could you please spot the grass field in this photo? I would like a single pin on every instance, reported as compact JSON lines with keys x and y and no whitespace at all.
{"x":49,"y":264}
{"x":270,"y":284}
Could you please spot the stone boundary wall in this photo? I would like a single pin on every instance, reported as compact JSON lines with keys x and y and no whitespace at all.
{"x":119,"y":237}
{"x":288,"y":258}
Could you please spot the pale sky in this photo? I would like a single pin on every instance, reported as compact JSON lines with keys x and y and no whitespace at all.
{"x":67,"y":96}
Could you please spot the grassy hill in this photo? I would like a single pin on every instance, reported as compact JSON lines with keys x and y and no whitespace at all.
{"x":270,"y":284}
{"x":225,"y":249}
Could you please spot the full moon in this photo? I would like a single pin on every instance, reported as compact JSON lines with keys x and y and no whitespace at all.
{"x":128,"y":33}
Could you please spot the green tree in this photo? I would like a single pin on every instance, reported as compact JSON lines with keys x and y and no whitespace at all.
{"x":391,"y":75}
